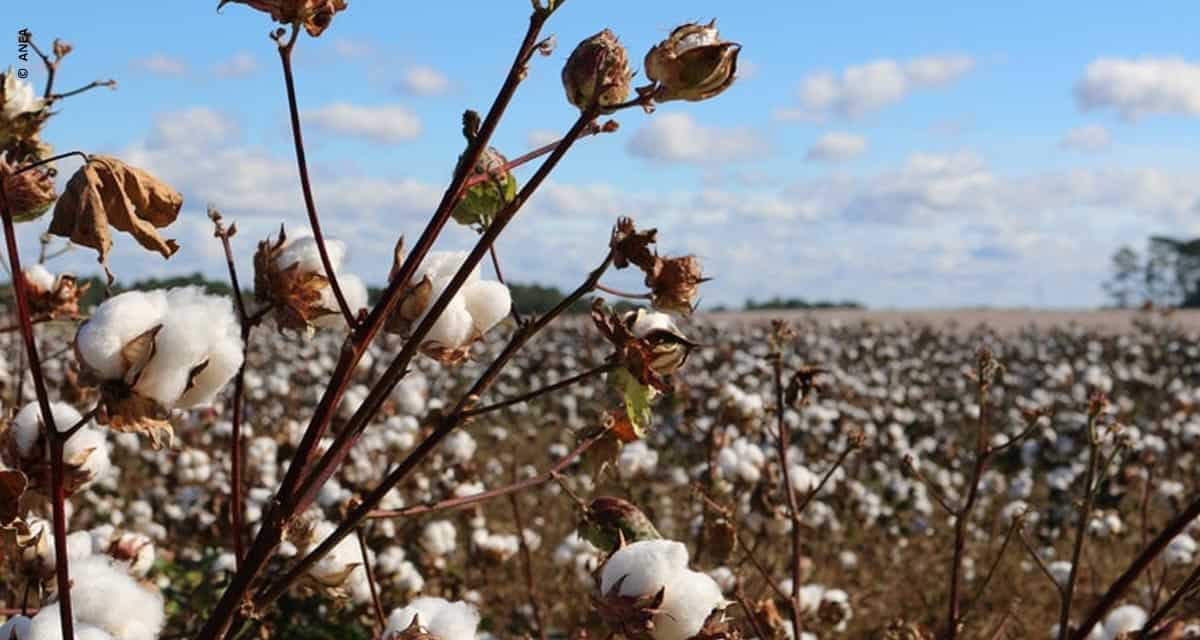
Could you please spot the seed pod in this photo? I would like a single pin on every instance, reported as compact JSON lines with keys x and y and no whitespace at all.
{"x":609,"y":521}
{"x":597,"y":72}
{"x":693,"y":63}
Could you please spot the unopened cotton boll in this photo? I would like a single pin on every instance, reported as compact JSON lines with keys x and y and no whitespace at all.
{"x":643,"y":568}
{"x":444,"y":619}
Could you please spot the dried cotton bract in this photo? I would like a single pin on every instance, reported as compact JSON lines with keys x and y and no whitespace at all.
{"x":647,"y":591}
{"x":433,"y":619}
{"x":289,"y":275}
{"x":151,"y":352}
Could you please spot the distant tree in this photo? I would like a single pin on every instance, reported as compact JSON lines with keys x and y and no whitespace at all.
{"x":799,"y":303}
{"x":1125,"y":286}
{"x":1169,"y":275}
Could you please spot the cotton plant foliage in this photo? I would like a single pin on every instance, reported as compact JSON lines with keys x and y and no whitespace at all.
{"x":154,"y":351}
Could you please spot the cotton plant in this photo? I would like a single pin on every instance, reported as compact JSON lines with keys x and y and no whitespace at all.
{"x":647,"y":590}
{"x":85,"y":452}
{"x":473,"y":310}
{"x":290,"y":277}
{"x":433,"y":619}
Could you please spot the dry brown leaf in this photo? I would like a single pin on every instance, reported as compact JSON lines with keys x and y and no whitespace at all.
{"x":106,"y":193}
{"x":12,"y":485}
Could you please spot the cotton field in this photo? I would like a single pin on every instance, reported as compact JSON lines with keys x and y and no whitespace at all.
{"x":895,"y":405}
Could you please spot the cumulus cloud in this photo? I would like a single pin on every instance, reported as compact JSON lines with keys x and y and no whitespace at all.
{"x":541,"y":137}
{"x":388,"y":124}
{"x":351,"y":48}
{"x":1141,"y":87}
{"x":677,"y":137}
{"x":192,"y":128}
{"x":161,"y":64}
{"x":837,"y":146}
{"x":1088,"y":139}
{"x":422,"y":80}
{"x":241,"y":64}
{"x":865,"y":88}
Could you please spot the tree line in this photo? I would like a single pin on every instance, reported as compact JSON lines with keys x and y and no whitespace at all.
{"x":1165,"y":274}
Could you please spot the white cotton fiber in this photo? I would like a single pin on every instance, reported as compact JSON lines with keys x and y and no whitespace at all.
{"x":650,"y":565}
{"x":41,"y":278}
{"x":339,"y":560}
{"x":439,"y":538}
{"x":113,"y":324}
{"x":304,"y":252}
{"x":47,"y":625}
{"x":356,"y":298}
{"x":104,"y":595}
{"x":26,"y":426}
{"x":444,"y":619}
{"x":487,"y":302}
{"x":194,"y":326}
{"x":16,"y":628}
{"x":455,"y":326}
{"x":90,"y":445}
{"x":1128,"y":617}
{"x":444,"y":264}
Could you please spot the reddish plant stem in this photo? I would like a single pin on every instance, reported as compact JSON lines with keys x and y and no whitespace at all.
{"x":507,"y":167}
{"x":622,"y":294}
{"x":527,"y":566}
{"x":56,"y":440}
{"x":94,"y":84}
{"x":314,"y":221}
{"x":781,"y":446}
{"x":328,"y":463}
{"x":451,"y":421}
{"x":1118,"y":588}
{"x":278,"y":514}
{"x":484,"y":496}
{"x":380,"y":618}
{"x":236,"y":510}
{"x":550,"y":388}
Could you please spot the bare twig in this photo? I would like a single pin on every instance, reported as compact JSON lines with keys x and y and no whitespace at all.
{"x":781,"y":448}
{"x":527,"y":566}
{"x":550,"y":388}
{"x":380,"y":618}
{"x":622,"y":294}
{"x":94,"y":84}
{"x":1084,"y":516}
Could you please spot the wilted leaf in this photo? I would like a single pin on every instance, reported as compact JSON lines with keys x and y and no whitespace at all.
{"x":105,"y":193}
{"x":12,"y":486}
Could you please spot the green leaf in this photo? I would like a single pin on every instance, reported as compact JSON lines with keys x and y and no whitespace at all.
{"x":638,"y":399}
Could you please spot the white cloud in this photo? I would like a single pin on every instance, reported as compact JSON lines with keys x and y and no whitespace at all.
{"x":387,"y":124}
{"x":542,"y":137}
{"x":1141,"y":87}
{"x":1087,"y":139}
{"x":241,"y":64}
{"x":422,"y":80}
{"x":865,"y":88}
{"x":836,"y":146}
{"x":193,"y":128}
{"x":162,"y":64}
{"x":677,"y":137}
{"x":351,"y":48}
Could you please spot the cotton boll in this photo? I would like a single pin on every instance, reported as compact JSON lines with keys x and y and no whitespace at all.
{"x":488,"y":302}
{"x":47,"y":625}
{"x":340,"y":562}
{"x":304,"y":252}
{"x":459,"y":446}
{"x":113,"y":324}
{"x":89,"y":445}
{"x":195,"y":325}
{"x":17,"y":628}
{"x":1128,"y":617}
{"x":355,"y":293}
{"x":444,"y":619}
{"x":106,"y":596}
{"x":444,"y":264}
{"x":1060,"y":570}
{"x":41,"y":278}
{"x":454,"y":326}
{"x":439,"y":538}
{"x":645,"y":567}
{"x":26,"y":426}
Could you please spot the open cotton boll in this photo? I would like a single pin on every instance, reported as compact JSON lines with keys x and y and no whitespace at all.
{"x":444,"y":264}
{"x":444,"y":619}
{"x":16,"y":628}
{"x":340,"y":562}
{"x":113,"y":324}
{"x":303,"y":251}
{"x":487,"y":302}
{"x":454,"y":326}
{"x":355,"y":293}
{"x":439,"y":538}
{"x":42,"y":279}
{"x":26,"y":427}
{"x":650,"y":565}
{"x":197,"y":328}
{"x":1128,"y":617}
{"x":89,"y":442}
{"x":47,"y":625}
{"x":104,"y":595}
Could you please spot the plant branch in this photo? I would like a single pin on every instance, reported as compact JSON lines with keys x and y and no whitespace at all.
{"x":94,"y":84}
{"x":781,"y":442}
{"x":380,"y":618}
{"x":527,"y":566}
{"x":550,"y":388}
{"x":314,"y":221}
{"x":623,"y":294}
{"x":53,"y":436}
{"x":1084,"y":516}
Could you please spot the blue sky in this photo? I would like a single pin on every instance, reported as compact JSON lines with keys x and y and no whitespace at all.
{"x":915,"y":155}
